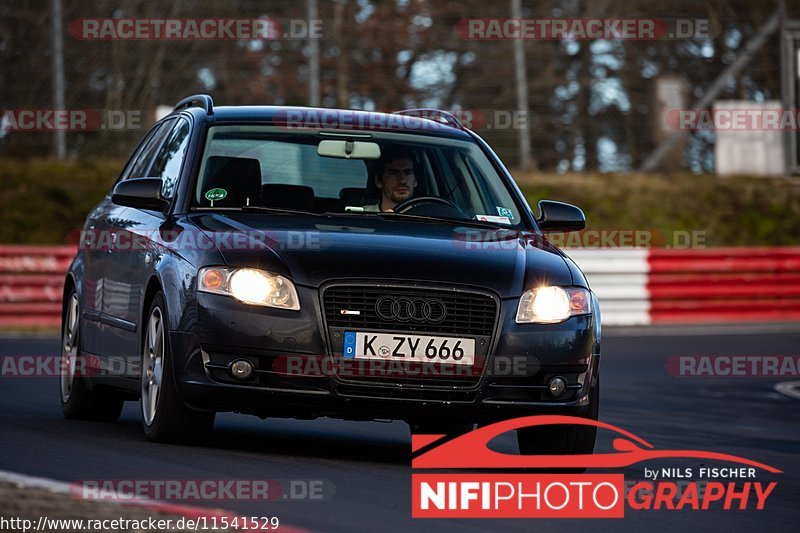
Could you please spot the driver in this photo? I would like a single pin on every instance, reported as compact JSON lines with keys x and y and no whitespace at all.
{"x":395,"y":179}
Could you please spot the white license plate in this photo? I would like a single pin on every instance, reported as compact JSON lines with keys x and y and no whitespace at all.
{"x":404,"y":347}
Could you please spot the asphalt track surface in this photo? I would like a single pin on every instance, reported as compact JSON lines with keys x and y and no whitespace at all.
{"x":368,"y":464}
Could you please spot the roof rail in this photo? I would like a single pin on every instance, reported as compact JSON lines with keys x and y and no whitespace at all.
{"x":200,"y":100}
{"x":430,"y":113}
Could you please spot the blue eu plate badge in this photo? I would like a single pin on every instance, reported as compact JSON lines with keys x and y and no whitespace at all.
{"x":349,"y":345}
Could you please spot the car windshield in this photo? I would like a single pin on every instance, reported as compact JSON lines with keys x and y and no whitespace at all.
{"x":272,"y":169}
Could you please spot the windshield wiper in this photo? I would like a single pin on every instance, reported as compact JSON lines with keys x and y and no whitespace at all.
{"x":441,"y":220}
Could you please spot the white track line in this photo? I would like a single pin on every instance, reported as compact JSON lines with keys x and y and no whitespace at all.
{"x":789,"y":388}
{"x":50,"y":485}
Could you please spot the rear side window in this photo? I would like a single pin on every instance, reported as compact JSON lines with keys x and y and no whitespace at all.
{"x":168,"y":162}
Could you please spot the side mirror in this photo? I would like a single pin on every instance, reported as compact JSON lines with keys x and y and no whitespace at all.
{"x":558,"y":216}
{"x":142,"y":193}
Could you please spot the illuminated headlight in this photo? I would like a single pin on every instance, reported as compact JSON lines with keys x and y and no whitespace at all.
{"x":250,"y":286}
{"x":548,"y":305}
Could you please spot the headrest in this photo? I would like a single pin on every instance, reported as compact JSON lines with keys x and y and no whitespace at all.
{"x":352,"y":196}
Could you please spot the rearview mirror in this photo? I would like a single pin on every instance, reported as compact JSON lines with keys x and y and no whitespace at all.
{"x":142,"y":193}
{"x":349,"y":149}
{"x":558,"y":216}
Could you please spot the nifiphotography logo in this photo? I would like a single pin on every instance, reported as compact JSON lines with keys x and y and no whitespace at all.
{"x":730,"y":483}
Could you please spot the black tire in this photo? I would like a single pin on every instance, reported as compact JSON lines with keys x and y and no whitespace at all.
{"x":78,"y":401}
{"x":172,"y":421}
{"x":562,"y":440}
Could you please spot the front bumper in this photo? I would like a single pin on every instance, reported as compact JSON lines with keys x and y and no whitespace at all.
{"x":300,"y":375}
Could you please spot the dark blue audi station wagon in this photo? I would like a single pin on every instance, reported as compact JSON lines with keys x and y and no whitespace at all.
{"x":302,"y":263}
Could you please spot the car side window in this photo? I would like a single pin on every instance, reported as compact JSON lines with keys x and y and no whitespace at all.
{"x":168,"y":162}
{"x":126,"y":172}
{"x":144,"y":159}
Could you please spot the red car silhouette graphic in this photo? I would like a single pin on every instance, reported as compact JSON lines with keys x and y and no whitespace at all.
{"x":470,"y":450}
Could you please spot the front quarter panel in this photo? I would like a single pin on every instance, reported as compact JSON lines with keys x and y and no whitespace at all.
{"x":179,"y":250}
{"x":578,"y":278}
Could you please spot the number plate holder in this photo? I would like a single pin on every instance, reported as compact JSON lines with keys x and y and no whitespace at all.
{"x":361,"y":345}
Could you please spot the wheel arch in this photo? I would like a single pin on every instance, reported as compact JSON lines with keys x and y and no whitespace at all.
{"x":69,"y":285}
{"x":72,"y":281}
{"x":153,"y":287}
{"x":161,"y":282}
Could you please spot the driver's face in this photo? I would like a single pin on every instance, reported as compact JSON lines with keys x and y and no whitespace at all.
{"x":397,"y":182}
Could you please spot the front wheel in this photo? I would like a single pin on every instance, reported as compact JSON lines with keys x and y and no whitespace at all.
{"x":164,"y":415}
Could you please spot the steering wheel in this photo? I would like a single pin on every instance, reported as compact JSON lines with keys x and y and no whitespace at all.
{"x":411,"y":203}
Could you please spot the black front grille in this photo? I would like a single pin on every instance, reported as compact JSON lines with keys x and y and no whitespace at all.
{"x":468,"y":313}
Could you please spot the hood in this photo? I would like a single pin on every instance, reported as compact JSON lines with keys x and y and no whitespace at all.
{"x":313,"y":249}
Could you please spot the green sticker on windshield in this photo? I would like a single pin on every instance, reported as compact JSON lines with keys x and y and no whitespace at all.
{"x":505,"y":212}
{"x":213,"y":195}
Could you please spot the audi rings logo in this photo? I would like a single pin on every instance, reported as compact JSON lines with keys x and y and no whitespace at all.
{"x":411,"y":309}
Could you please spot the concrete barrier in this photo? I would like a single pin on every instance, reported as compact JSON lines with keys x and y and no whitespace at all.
{"x":31,"y":284}
{"x":689,"y":286}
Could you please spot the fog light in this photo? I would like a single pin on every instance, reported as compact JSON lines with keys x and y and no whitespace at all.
{"x":557,"y":386}
{"x":242,"y":369}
